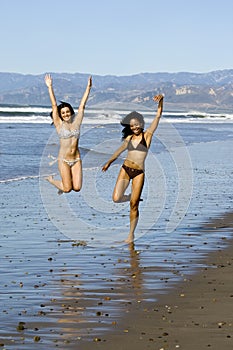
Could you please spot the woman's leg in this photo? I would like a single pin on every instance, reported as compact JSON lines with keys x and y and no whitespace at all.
{"x":122,"y":183}
{"x":77,"y":178}
{"x":137,"y":186}
{"x":65,"y":184}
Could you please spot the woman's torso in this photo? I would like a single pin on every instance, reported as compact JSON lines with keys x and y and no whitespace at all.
{"x":137,"y":152}
{"x":69,"y":137}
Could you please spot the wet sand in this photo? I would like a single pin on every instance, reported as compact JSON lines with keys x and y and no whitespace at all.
{"x":59,"y":295}
{"x":169,"y":291}
{"x":196,"y":314}
{"x":76,"y":309}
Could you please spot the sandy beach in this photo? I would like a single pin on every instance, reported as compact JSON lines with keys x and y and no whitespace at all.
{"x":197,"y":314}
{"x":170,"y":290}
{"x":58,"y":294}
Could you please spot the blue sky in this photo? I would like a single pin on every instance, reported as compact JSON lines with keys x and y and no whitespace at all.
{"x":118,"y":37}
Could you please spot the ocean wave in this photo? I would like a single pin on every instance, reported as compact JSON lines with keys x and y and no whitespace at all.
{"x":25,"y":177}
{"x":32,"y":119}
{"x":24,"y":109}
{"x":19,"y":178}
{"x":33,"y":114}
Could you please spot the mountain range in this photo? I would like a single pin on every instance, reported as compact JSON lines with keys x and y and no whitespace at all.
{"x":183,"y":91}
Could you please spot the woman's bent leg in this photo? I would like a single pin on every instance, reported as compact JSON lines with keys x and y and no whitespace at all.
{"x":122,"y":183}
{"x":65,"y":184}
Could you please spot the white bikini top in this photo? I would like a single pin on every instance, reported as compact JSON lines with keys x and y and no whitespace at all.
{"x":66,"y":134}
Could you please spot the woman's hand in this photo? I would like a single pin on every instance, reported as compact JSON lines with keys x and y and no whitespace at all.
{"x":158,"y":98}
{"x":106,"y":166}
{"x":89,"y":84}
{"x":48,"y":80}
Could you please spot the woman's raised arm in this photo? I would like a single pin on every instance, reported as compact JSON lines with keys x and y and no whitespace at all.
{"x":49,"y":84}
{"x":155,"y":122}
{"x":79,"y":116}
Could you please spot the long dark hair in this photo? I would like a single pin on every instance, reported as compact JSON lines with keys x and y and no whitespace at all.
{"x":126,"y":123}
{"x":60,"y":106}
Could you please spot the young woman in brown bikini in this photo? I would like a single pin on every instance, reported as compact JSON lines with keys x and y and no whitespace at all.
{"x":137,"y":142}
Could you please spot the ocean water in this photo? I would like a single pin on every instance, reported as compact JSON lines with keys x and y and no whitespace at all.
{"x":61,"y":263}
{"x":25,"y":132}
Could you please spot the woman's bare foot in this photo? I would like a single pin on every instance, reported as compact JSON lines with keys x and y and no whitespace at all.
{"x":130,"y":238}
{"x":49,"y":178}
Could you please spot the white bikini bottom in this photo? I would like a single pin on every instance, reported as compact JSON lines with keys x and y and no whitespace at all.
{"x":71,"y":162}
{"x":67,"y":161}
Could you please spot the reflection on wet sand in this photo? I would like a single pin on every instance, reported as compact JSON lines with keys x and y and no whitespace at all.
{"x":90,"y":305}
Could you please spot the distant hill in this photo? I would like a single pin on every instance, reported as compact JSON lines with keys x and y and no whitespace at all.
{"x":183,"y":91}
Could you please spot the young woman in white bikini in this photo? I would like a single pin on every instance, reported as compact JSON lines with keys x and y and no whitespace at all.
{"x":67,"y":125}
{"x":137,"y":142}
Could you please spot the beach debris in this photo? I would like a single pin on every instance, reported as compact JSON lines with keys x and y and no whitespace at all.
{"x":220,"y":324}
{"x":96,"y":339}
{"x":41,"y":313}
{"x":79,"y":243}
{"x":20,"y":326}
{"x":36,"y":338}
